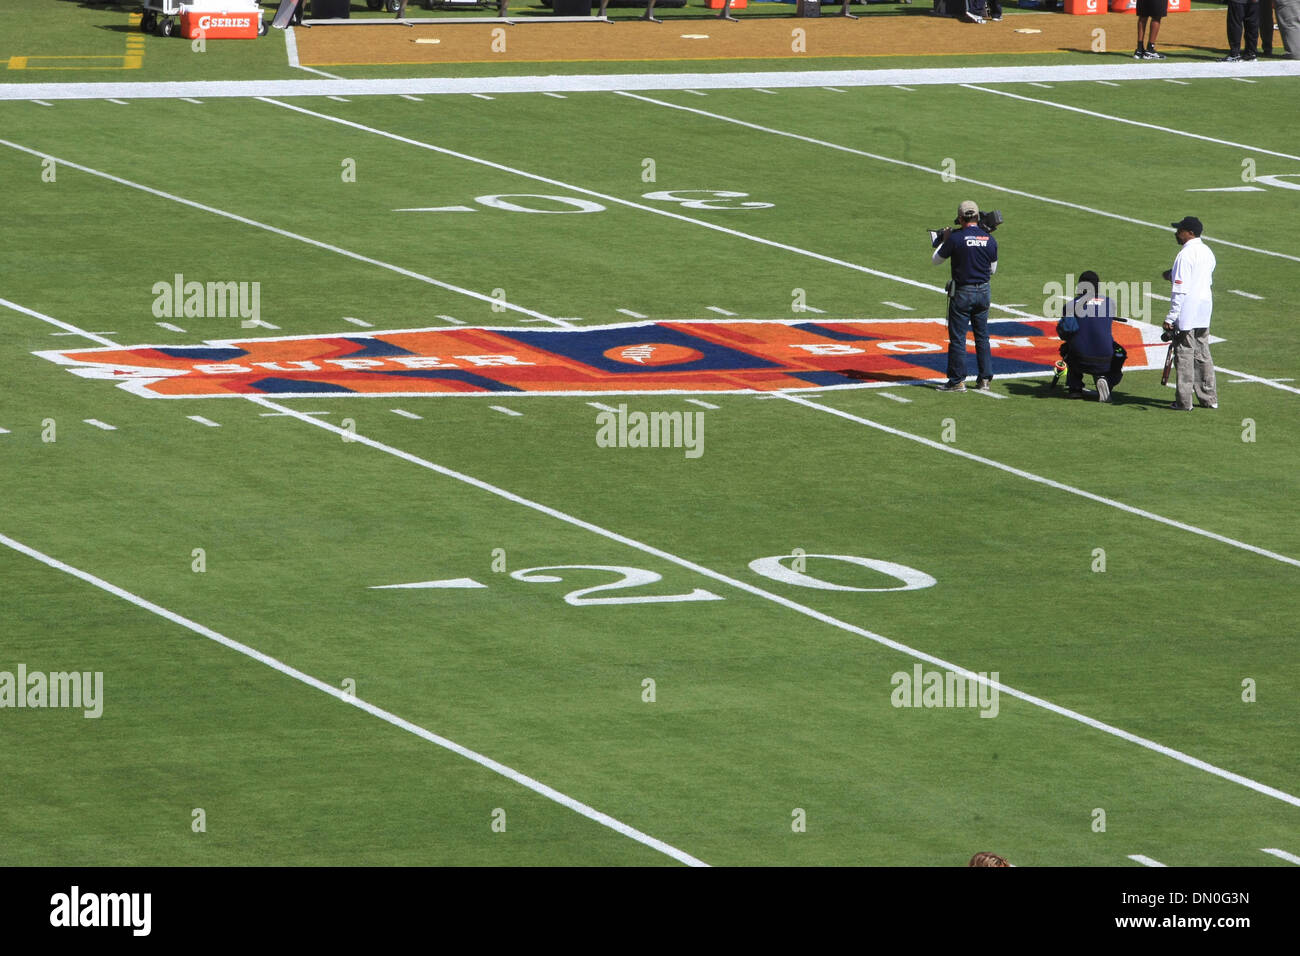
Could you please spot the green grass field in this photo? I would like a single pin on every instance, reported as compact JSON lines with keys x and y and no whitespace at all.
{"x":772,"y":737}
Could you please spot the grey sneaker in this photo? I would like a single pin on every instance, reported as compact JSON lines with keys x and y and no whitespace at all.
{"x":982,"y":384}
{"x":951,"y":387}
{"x":1103,"y":390}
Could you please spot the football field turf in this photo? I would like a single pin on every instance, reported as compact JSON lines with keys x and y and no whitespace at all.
{"x":642,"y":655}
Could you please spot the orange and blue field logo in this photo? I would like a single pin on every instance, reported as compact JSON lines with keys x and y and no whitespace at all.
{"x":630,"y":358}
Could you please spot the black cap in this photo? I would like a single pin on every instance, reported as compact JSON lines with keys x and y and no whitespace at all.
{"x":1191,"y":224}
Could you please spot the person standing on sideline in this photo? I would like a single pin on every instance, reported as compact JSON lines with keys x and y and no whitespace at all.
{"x":1153,"y":10}
{"x":1288,"y":24}
{"x":1265,"y":27}
{"x":1190,"y":306}
{"x":974,"y":259}
{"x":1242,"y":13}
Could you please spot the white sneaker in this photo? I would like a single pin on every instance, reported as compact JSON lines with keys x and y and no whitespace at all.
{"x":1103,"y":390}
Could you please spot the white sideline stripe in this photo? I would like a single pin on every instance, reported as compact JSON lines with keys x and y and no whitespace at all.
{"x":792,"y":605}
{"x":1039,"y":479}
{"x":361,"y":322}
{"x":328,"y":247}
{"x":523,"y":780}
{"x":1130,"y":122}
{"x":1248,"y":295}
{"x":894,"y":398}
{"x":965,"y":179}
{"x":406,"y":414}
{"x":169,"y":327}
{"x":630,"y":314}
{"x":702,"y":404}
{"x":1284,"y":855}
{"x":203,"y":421}
{"x":899,"y":305}
{"x":714,"y":308}
{"x":63,"y":325}
{"x":98,"y":424}
{"x":504,"y":411}
{"x":1144,"y":860}
{"x":596,"y":83}
{"x":1262,"y":381}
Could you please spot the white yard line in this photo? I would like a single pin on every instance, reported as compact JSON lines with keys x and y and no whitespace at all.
{"x":328,"y":247}
{"x":505,"y":411}
{"x":1039,"y":479}
{"x":788,"y":603}
{"x":1144,"y":860}
{"x":603,"y":408}
{"x":98,"y":424}
{"x":1247,"y":295}
{"x":1080,"y":207}
{"x":899,"y":305}
{"x":361,"y":322}
{"x":203,"y":421}
{"x":714,"y":308}
{"x":702,"y":404}
{"x":1129,"y":122}
{"x":59,"y":323}
{"x":406,"y":414}
{"x":894,"y":398}
{"x":1272,"y":383}
{"x":630,"y":314}
{"x":550,"y":793}
{"x":1284,"y":855}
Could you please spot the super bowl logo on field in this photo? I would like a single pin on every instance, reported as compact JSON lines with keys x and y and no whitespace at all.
{"x":690,"y":356}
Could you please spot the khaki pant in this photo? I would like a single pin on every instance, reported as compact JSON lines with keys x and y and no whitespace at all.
{"x":1195,"y":368}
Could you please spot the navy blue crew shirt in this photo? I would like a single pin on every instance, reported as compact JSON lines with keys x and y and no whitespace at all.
{"x":974,"y":254}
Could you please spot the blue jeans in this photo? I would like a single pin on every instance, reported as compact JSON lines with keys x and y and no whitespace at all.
{"x":968,"y":308}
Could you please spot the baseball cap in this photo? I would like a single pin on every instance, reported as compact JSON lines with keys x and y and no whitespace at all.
{"x":1190,"y":223}
{"x":967,"y":208}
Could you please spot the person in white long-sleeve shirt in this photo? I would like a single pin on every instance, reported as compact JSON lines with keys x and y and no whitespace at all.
{"x":1191,"y":303}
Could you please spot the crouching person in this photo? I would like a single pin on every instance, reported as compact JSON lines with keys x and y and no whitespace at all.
{"x":1088,"y":348}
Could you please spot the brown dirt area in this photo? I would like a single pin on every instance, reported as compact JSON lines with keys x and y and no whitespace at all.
{"x":768,"y":38}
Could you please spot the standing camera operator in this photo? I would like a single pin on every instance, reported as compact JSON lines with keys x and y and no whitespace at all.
{"x":974,"y":257}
